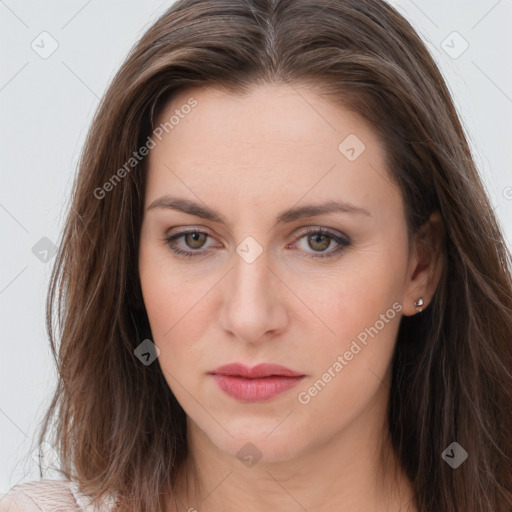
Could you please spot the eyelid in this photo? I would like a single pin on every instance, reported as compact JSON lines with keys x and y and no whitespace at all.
{"x":324,"y":231}
{"x":169,"y":236}
{"x":340,"y":238}
{"x":302,"y":231}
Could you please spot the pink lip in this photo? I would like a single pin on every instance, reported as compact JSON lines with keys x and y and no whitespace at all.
{"x":260,"y":370}
{"x":256,"y":384}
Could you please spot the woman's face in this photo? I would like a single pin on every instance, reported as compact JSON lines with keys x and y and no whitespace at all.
{"x":258,"y":288}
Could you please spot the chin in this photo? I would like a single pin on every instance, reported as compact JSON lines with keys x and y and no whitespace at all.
{"x":251,"y":445}
{"x":254,"y":439}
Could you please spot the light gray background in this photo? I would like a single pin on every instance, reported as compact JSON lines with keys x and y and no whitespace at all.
{"x":47,"y":105}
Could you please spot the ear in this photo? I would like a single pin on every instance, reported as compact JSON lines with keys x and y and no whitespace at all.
{"x":426,"y":264}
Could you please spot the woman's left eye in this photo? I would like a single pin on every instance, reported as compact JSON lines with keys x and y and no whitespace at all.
{"x":318,"y":237}
{"x":321,"y":238}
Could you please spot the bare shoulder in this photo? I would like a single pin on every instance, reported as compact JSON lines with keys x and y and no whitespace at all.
{"x":46,"y":495}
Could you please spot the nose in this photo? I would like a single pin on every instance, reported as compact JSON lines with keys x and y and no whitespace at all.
{"x":253,"y":302}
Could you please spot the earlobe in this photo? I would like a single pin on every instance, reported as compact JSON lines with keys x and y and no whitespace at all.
{"x":426,"y":265}
{"x":418,"y":303}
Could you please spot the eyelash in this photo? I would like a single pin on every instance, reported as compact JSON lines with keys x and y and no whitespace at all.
{"x":342,"y":241}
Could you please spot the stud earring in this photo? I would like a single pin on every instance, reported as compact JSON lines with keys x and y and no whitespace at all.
{"x":418,"y":303}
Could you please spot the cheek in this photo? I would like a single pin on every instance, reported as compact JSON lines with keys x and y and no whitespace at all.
{"x":163,"y":290}
{"x":355,"y":295}
{"x":172,"y":330}
{"x":351,"y":368}
{"x":161,"y":293}
{"x":158,"y":296}
{"x":177,"y":313}
{"x":360,"y":310}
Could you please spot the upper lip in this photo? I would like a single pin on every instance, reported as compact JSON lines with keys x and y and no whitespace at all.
{"x":260,"y":370}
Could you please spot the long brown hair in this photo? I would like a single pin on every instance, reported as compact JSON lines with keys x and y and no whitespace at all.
{"x":117,"y":426}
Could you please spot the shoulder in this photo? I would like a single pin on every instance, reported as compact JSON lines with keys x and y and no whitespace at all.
{"x":47,"y":495}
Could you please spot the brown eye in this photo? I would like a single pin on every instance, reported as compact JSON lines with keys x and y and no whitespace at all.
{"x":195,"y":240}
{"x":319,"y":242}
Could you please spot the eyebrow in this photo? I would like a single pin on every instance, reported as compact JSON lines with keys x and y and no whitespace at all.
{"x":284,"y":217}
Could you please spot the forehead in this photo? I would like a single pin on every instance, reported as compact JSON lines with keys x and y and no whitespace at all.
{"x":275,"y":143}
{"x":274,"y":114}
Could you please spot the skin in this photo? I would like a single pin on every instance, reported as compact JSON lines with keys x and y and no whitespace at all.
{"x":249,"y":157}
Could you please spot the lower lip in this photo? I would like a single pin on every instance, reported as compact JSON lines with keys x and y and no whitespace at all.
{"x":255,"y":390}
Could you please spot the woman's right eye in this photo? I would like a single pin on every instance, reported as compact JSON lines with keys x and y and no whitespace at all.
{"x":193,"y":237}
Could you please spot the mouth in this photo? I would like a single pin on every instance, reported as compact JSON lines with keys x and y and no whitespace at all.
{"x":257,"y":384}
{"x":256,"y":372}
